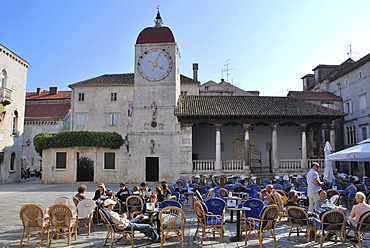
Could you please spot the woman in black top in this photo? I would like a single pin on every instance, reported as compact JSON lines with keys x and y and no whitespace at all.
{"x":100,"y":193}
{"x":159,"y":193}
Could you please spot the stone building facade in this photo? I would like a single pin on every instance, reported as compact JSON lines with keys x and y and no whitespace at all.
{"x":46,"y":111}
{"x":350,"y":81}
{"x":13,"y":78}
{"x":171,"y":134}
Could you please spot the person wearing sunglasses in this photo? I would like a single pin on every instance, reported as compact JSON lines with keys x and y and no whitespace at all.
{"x":101,"y":193}
{"x":313,"y":185}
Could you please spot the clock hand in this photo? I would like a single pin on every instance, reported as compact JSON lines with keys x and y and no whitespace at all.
{"x":157,"y":57}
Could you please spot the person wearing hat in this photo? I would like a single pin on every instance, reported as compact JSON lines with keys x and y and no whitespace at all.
{"x":126,"y":224}
{"x":313,"y":185}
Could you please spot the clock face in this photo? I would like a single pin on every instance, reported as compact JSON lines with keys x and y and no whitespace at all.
{"x":155,"y":64}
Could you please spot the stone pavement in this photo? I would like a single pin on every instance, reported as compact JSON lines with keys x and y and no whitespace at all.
{"x":32,"y":191}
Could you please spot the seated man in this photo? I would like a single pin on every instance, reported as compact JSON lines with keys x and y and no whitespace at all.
{"x":322,"y":203}
{"x":81,"y":191}
{"x":292,"y":199}
{"x":125,"y":224}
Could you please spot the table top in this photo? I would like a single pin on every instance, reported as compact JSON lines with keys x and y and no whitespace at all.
{"x":156,"y":210}
{"x":239,"y":209}
{"x":231,"y":198}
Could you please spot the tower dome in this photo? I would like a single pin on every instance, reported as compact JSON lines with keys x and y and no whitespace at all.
{"x":156,"y":34}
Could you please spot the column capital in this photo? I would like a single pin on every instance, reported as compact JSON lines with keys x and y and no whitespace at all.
{"x":218,"y":127}
{"x":303,"y":127}
{"x":331,"y":126}
{"x":247,"y":127}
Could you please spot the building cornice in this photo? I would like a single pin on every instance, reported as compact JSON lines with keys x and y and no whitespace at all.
{"x":14,"y":56}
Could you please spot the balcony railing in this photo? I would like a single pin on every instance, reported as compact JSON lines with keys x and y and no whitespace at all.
{"x":5,"y":96}
{"x":285,"y":165}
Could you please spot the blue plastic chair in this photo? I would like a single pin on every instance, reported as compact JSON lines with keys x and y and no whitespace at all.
{"x":167,"y":203}
{"x":216,"y":205}
{"x":266,"y":182}
{"x":278,"y":186}
{"x":205,"y":189}
{"x":198,"y":196}
{"x":351,"y":191}
{"x":217,"y":191}
{"x":256,"y":206}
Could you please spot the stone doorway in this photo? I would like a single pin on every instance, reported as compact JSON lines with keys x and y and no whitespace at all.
{"x":152,"y":169}
{"x":85,"y":167}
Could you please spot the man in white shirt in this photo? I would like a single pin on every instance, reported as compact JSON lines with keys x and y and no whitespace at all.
{"x":314,"y":185}
{"x":125,"y":224}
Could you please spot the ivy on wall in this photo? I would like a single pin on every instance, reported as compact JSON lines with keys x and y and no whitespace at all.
{"x":110,"y":140}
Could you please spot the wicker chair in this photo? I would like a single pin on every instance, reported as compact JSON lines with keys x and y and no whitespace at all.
{"x":172,"y":221}
{"x":34,"y":223}
{"x":224,"y":192}
{"x":362,"y":226}
{"x":85,"y":212}
{"x":262,"y":225}
{"x":298,"y":218}
{"x":332,"y":192}
{"x":76,"y":200}
{"x":134,"y":205}
{"x":278,"y":200}
{"x":114,"y":233}
{"x":62,"y":222}
{"x":207,"y":222}
{"x":332,"y":221}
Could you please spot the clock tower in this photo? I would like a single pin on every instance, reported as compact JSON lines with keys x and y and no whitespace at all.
{"x":155,"y":132}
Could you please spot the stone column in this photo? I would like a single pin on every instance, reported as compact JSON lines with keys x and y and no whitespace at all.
{"x":246,"y":128}
{"x":218,"y":147}
{"x":332,"y":140}
{"x":304,"y":146}
{"x":274,"y":149}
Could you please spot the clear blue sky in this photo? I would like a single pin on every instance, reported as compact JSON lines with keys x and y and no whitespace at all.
{"x":270,"y":44}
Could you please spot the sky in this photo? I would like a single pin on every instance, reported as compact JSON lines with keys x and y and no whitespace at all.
{"x":269,"y":45}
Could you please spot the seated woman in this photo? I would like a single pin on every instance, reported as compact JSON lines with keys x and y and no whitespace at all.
{"x":159,"y":194}
{"x":100,"y":193}
{"x":267,"y":194}
{"x":166,"y":190}
{"x":145,"y":190}
{"x":359,"y":209}
{"x":81,"y":191}
{"x":136,"y":190}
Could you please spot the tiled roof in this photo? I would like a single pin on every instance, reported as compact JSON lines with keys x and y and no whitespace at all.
{"x":119,"y":79}
{"x":47,"y":110}
{"x":107,"y":79}
{"x":155,"y":35}
{"x":348,"y":66}
{"x":45,"y":95}
{"x":314,"y":96}
{"x":187,"y":80}
{"x":249,"y":106}
{"x":338,"y":71}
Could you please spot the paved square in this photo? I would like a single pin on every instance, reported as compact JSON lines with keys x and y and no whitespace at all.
{"x":32,"y":191}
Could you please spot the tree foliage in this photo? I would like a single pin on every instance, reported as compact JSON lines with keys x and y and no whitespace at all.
{"x":110,"y":140}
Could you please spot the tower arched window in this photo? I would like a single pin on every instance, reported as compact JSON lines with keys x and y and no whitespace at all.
{"x":12,"y":161}
{"x":3,"y":78}
{"x":15,"y":123}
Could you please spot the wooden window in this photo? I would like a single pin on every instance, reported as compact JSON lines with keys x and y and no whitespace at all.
{"x":109,"y":161}
{"x":61,"y":160}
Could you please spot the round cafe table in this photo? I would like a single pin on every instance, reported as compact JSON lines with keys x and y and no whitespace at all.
{"x":238,"y":236}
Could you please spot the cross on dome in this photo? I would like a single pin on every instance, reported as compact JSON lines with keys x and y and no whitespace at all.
{"x":158,"y":20}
